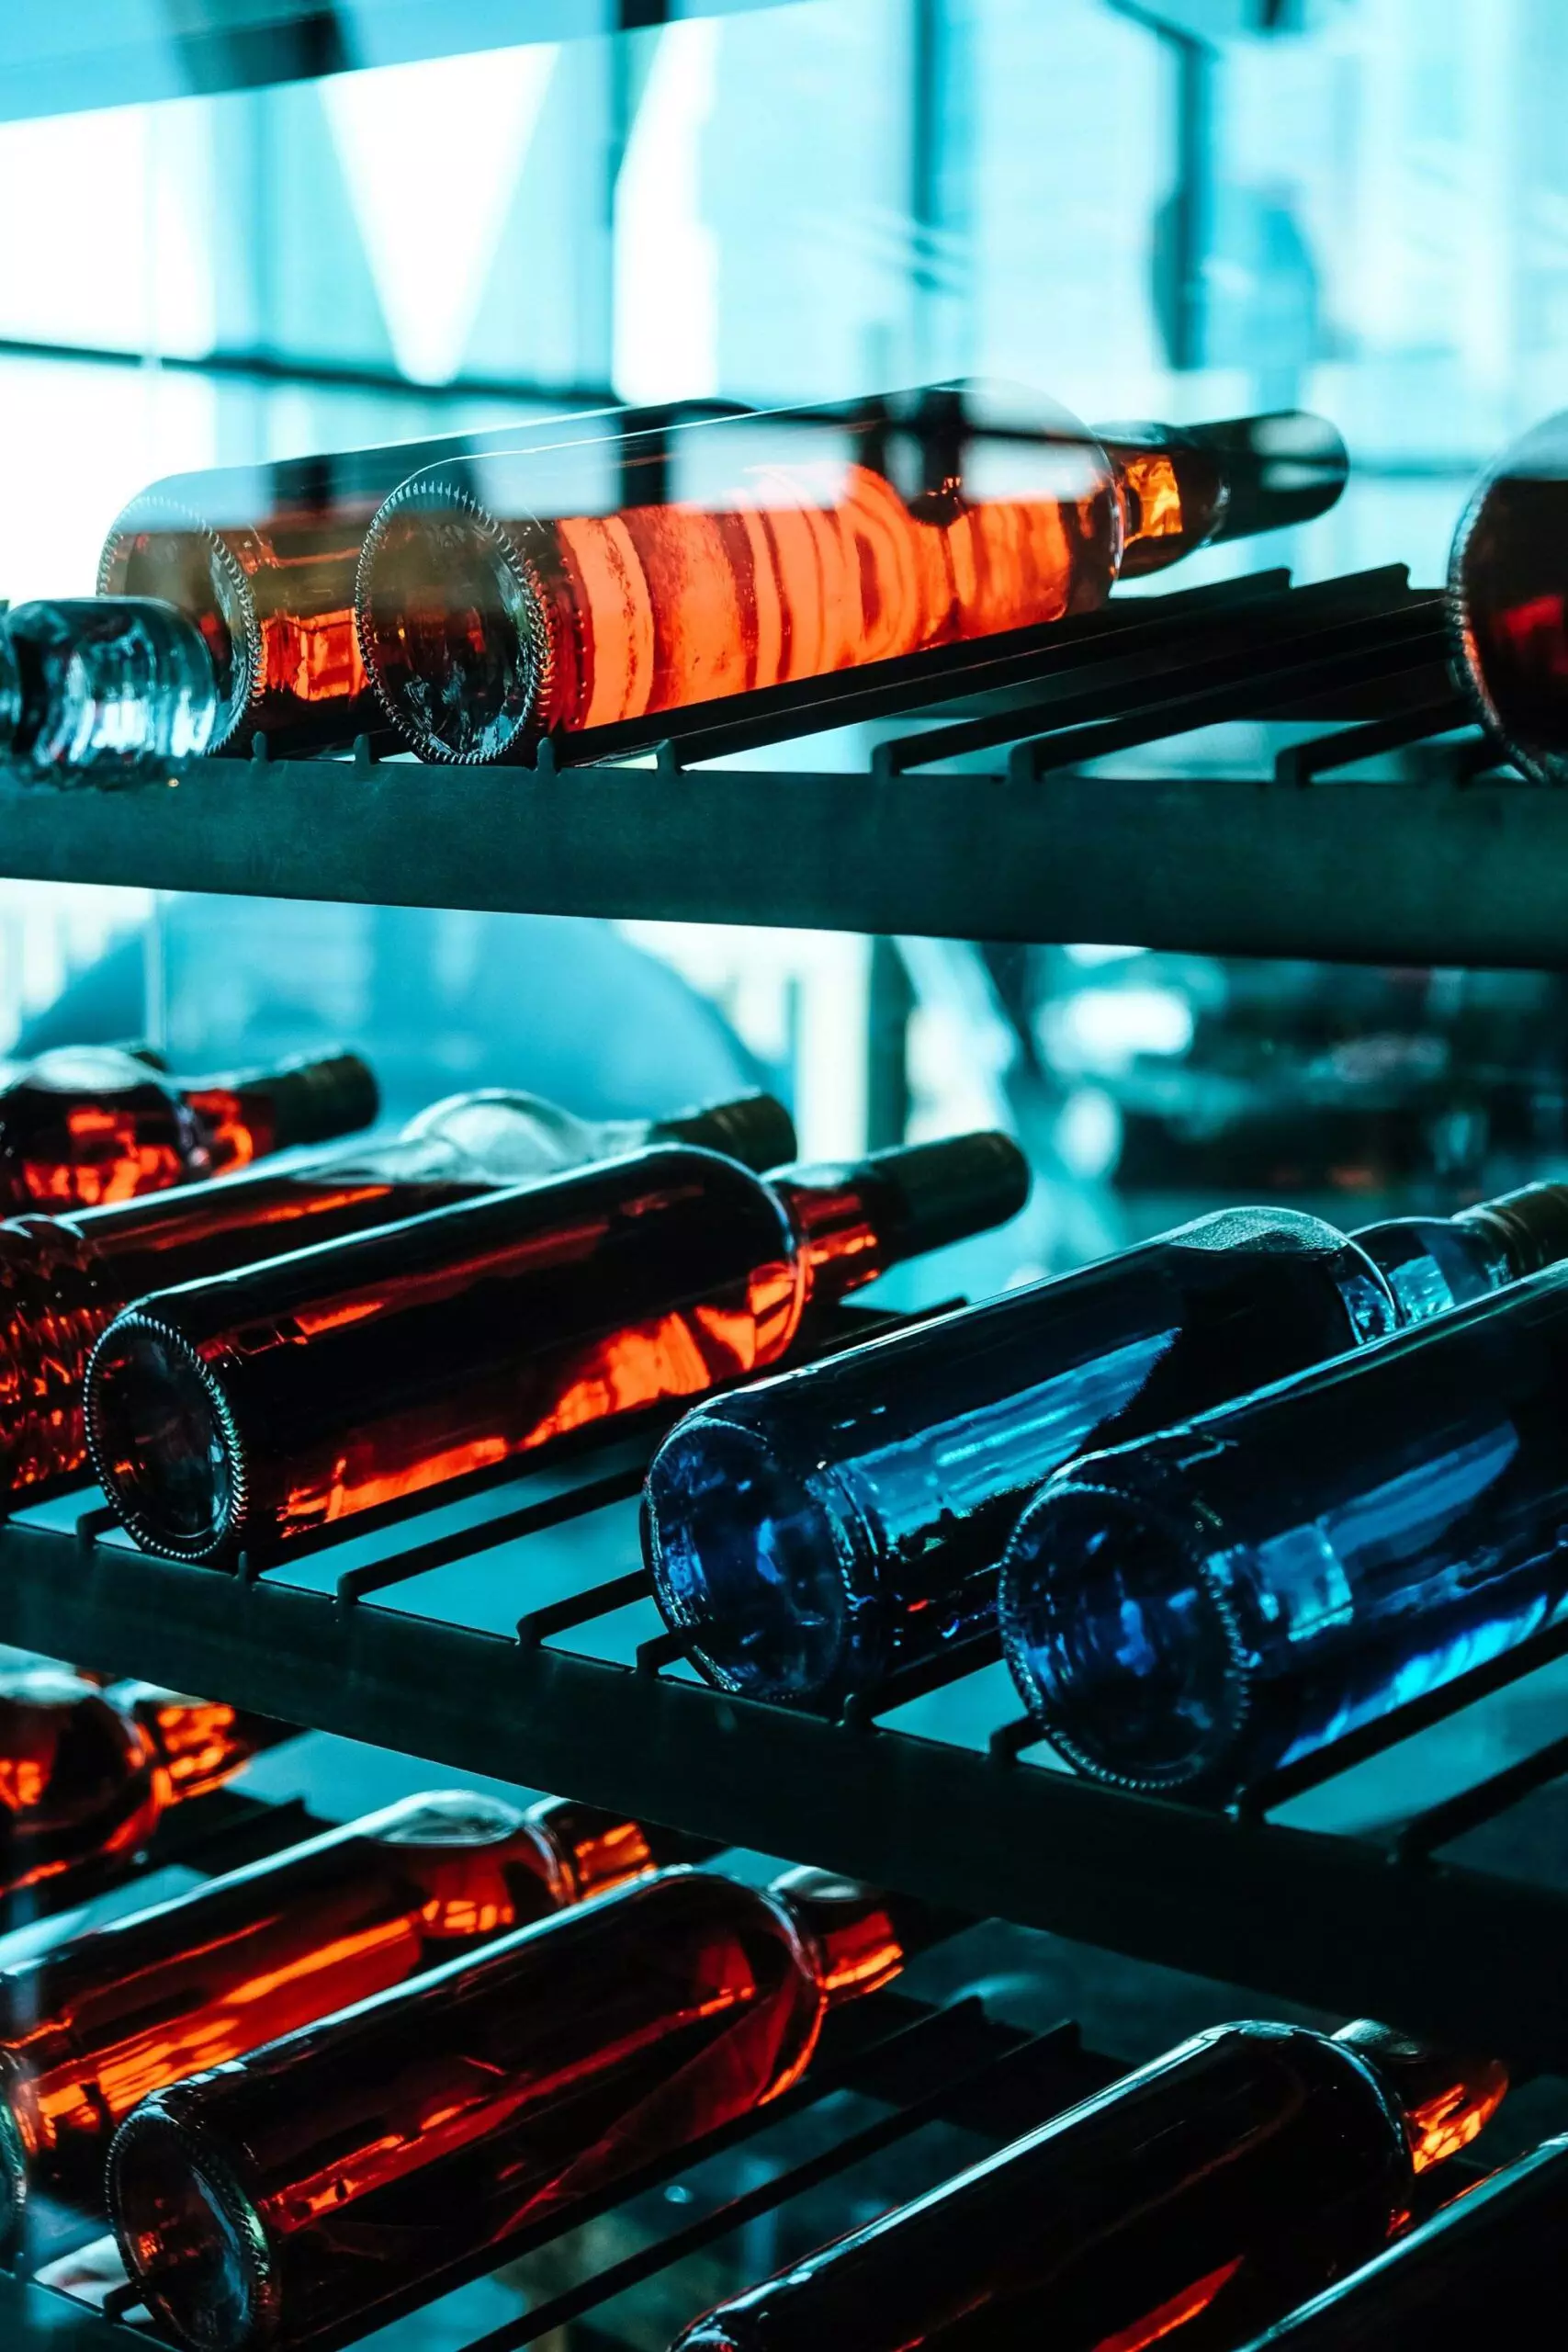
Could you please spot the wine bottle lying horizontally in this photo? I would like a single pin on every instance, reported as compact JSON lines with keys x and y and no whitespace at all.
{"x":87,"y":1773}
{"x":262,"y":560}
{"x":1509,"y":596}
{"x":750,"y":551}
{"x":102,"y":690}
{"x":63,"y":1280}
{"x":93,"y":2025}
{"x":819,"y":1530}
{"x":1195,"y":1610}
{"x":1492,"y":2267}
{"x":83,"y":1125}
{"x":1187,"y":2204}
{"x":278,"y":2198}
{"x":250,"y":1410}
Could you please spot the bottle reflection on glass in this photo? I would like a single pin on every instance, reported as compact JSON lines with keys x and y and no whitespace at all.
{"x":102,"y":690}
{"x":819,"y":1531}
{"x":87,"y":1124}
{"x":1193,"y":2201}
{"x":1488,"y":2268}
{"x":1508,"y":597}
{"x":252,"y":1408}
{"x":94,"y":2025}
{"x":64,"y":1278}
{"x":1192,"y":1612}
{"x":489,"y":616}
{"x":87,"y":1773}
{"x":292,"y":2193}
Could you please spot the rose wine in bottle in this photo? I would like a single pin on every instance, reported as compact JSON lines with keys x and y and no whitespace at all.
{"x":293,"y":2191}
{"x":252,"y":1408}
{"x":819,"y":1531}
{"x":87,"y":1773}
{"x":1192,"y":1612}
{"x":102,"y":690}
{"x":91,"y":2027}
{"x":1488,"y":2268}
{"x":85,"y":1124}
{"x":1188,"y":2203}
{"x":491,"y":614}
{"x":262,"y":560}
{"x":1509,"y":596}
{"x":64,"y":1279}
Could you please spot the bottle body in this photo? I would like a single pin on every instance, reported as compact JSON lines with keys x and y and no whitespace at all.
{"x":1509,"y":601}
{"x":94,"y":2026}
{"x":103,"y":690}
{"x":262,"y":558}
{"x":255,"y":1408}
{"x":1195,"y":2199}
{"x":1193,"y":1611}
{"x":281,"y":2197}
{"x":491,"y":613}
{"x":86,"y":1126}
{"x":1486,"y":2268}
{"x":64,"y":1279}
{"x":824,"y":1529}
{"x":87,"y":1773}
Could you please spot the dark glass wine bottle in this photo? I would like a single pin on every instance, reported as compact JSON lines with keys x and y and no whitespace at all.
{"x":252,"y":1408}
{"x":262,"y":558}
{"x":820,"y":1531}
{"x":88,"y":1125}
{"x":1509,"y":596}
{"x":294,"y":2191}
{"x":91,"y":2027}
{"x":1190,"y":1612}
{"x":1491,"y":2267}
{"x":87,"y":1773}
{"x":102,"y":690}
{"x":1191,"y":2201}
{"x":63,"y":1280}
{"x":491,"y":612}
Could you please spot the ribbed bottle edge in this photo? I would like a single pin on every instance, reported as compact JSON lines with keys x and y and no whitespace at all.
{"x":153,"y":511}
{"x":134,"y":1522}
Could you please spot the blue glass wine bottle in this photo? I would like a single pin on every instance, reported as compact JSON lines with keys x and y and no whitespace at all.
{"x":817,"y":1531}
{"x":1192,"y":1612}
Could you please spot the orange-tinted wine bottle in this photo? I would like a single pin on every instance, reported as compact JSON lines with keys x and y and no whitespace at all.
{"x":492,"y":613}
{"x":262,"y":557}
{"x":87,"y":1773}
{"x":293,"y":2192}
{"x":88,"y":1125}
{"x":64,"y":1279}
{"x":1187,"y":2205}
{"x":93,"y":2026}
{"x":248,"y":1410}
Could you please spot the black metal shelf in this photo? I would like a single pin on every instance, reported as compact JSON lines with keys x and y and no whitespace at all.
{"x":432,"y":1636}
{"x":1442,"y":863}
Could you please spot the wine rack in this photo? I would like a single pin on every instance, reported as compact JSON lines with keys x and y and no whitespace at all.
{"x":963,"y":794}
{"x":1007,"y":790}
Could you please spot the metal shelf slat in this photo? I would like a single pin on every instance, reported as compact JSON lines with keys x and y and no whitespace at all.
{"x":1323,"y":1919}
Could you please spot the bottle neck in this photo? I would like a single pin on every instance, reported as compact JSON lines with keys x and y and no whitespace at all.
{"x":1183,"y":488}
{"x":199,"y":1743}
{"x":856,"y":1942}
{"x":1433,"y":1263}
{"x":1444,"y":2101}
{"x":307,"y":1100}
{"x":594,"y":1850}
{"x":852,"y":1222}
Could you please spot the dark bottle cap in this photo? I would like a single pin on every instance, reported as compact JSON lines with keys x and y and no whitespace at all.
{"x":928,"y":1194}
{"x":1531,"y":1226}
{"x":755,"y":1129}
{"x":1288,"y":467}
{"x":315,"y":1098}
